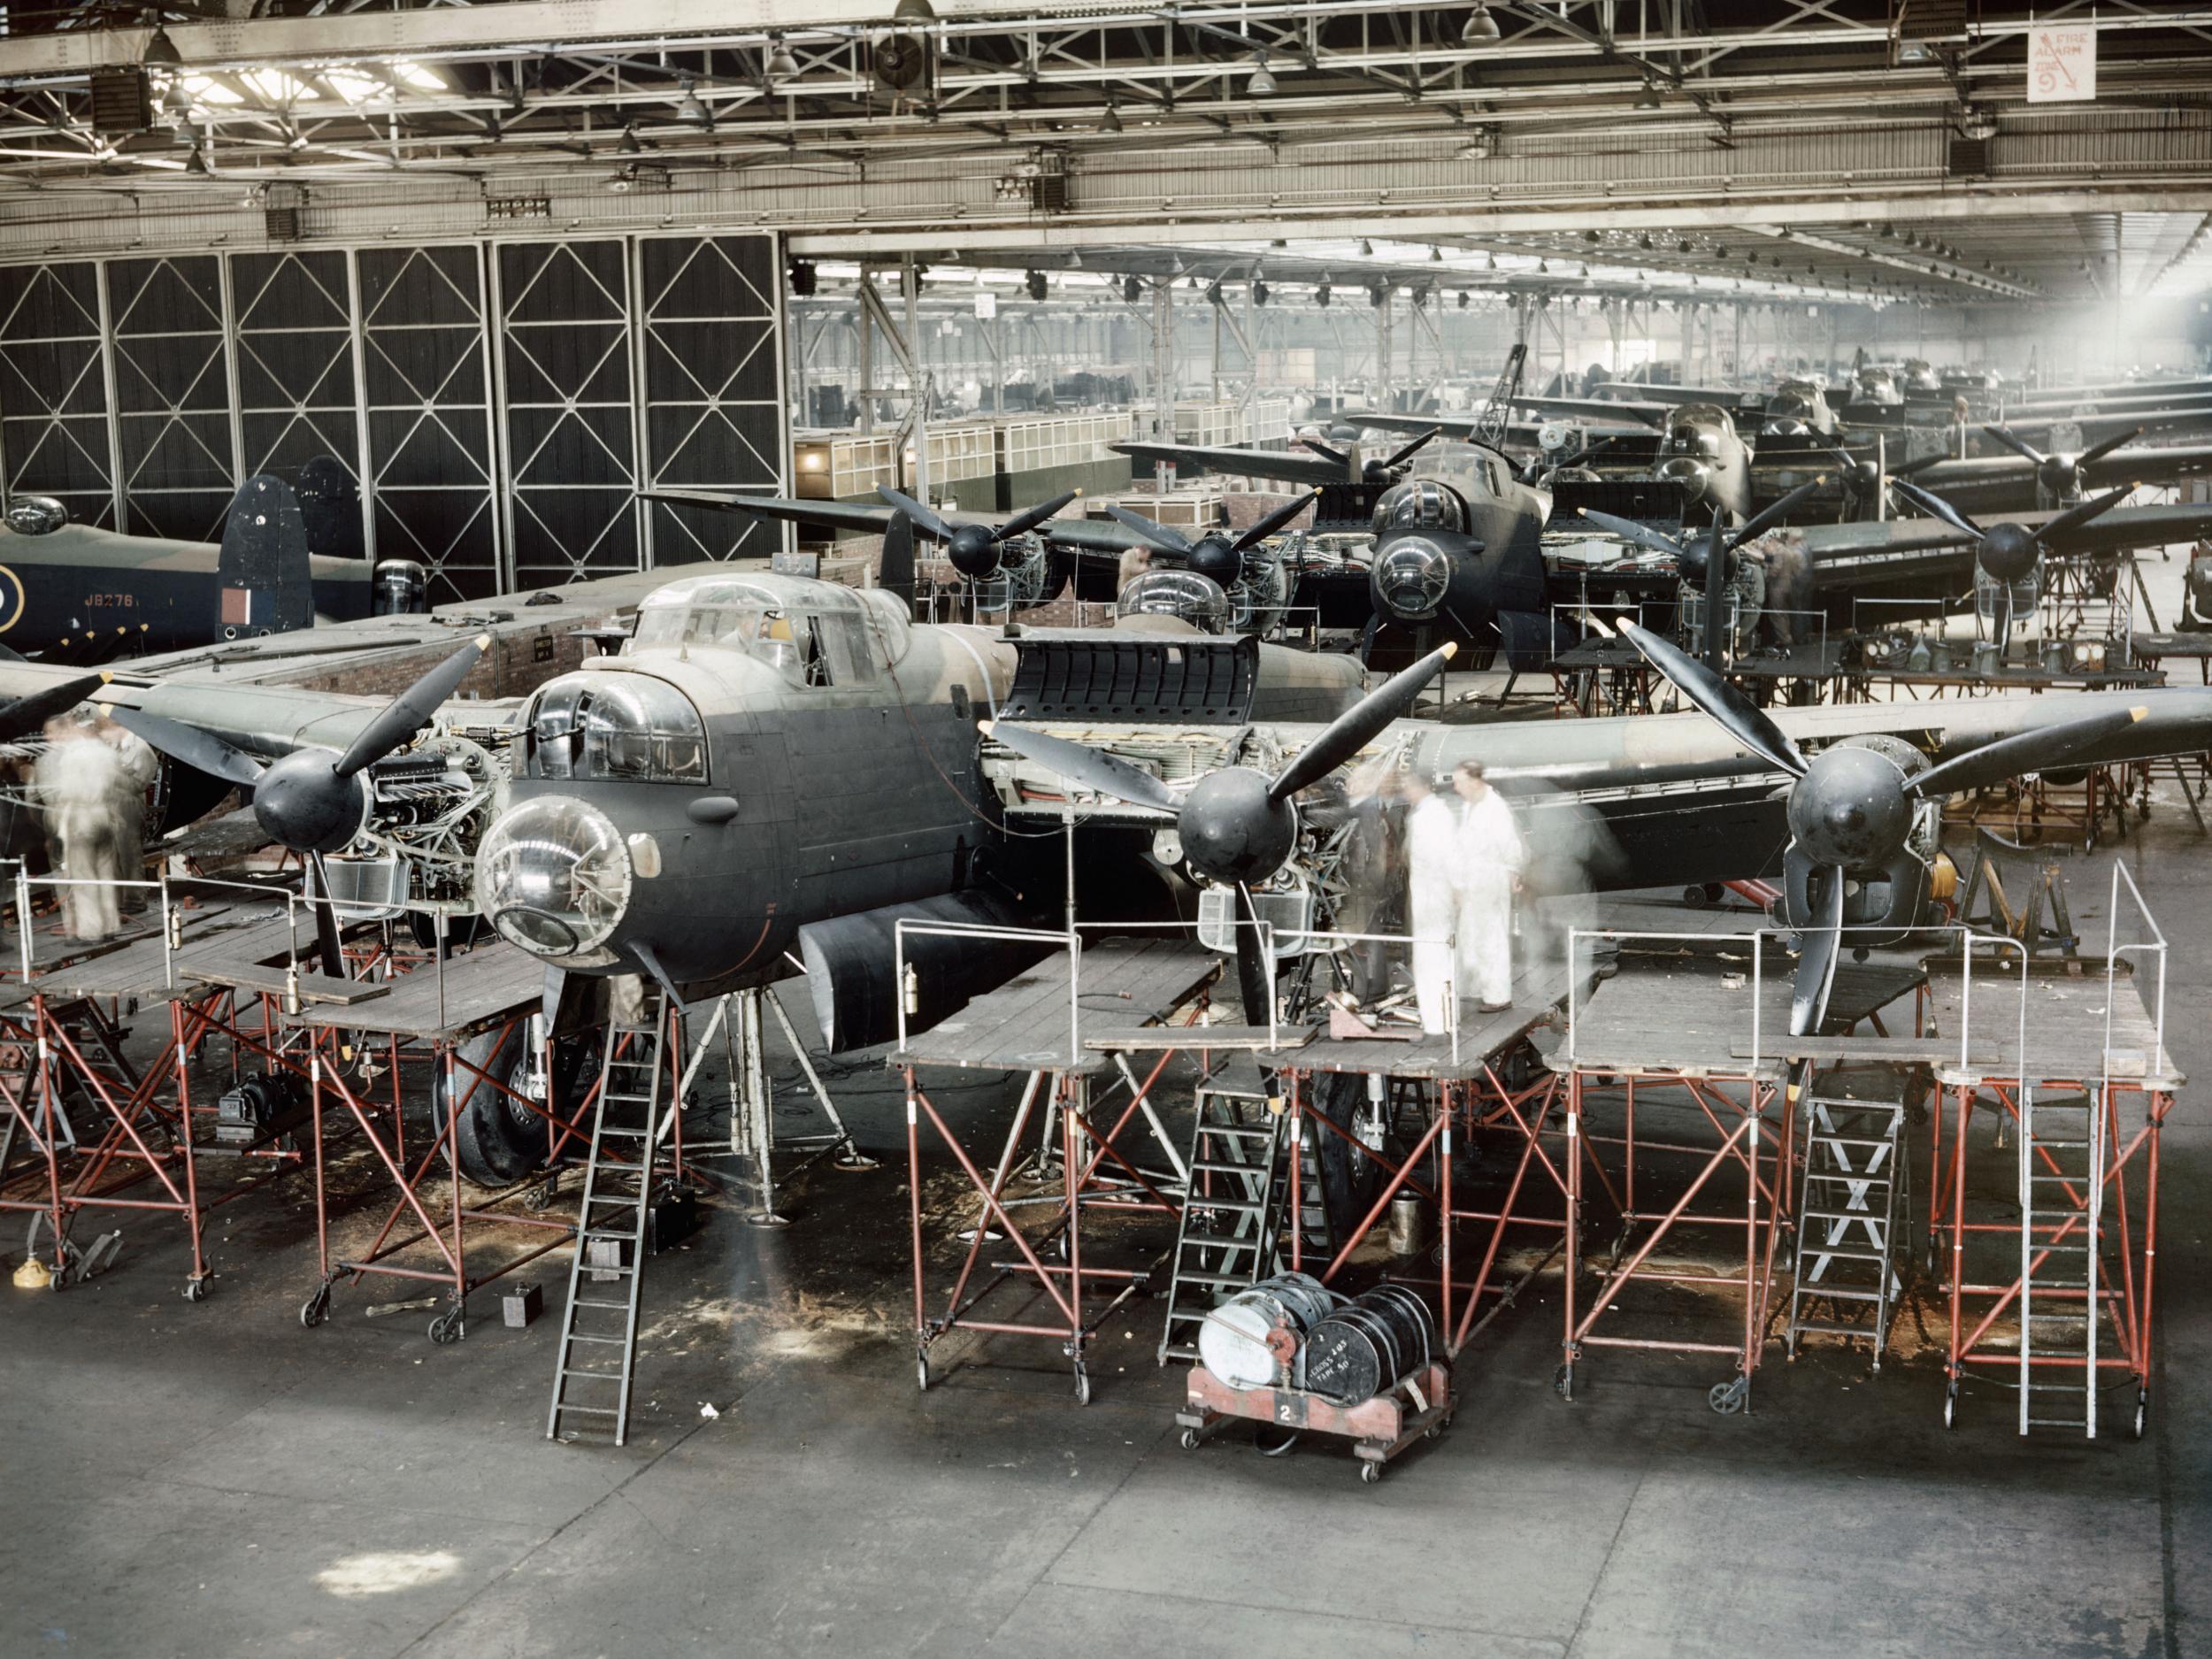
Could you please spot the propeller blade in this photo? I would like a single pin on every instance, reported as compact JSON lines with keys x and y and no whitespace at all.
{"x":1087,"y":768}
{"x":2017,"y":445}
{"x":1933,"y":505}
{"x":1821,"y":948}
{"x":1746,"y":723}
{"x":1023,"y":522}
{"x":914,"y":509}
{"x":1167,"y":538}
{"x":188,"y":744}
{"x":1774,"y":512}
{"x":1643,"y":535}
{"x":409,"y":712}
{"x":1339,"y":457}
{"x":2000,"y":625}
{"x":1255,"y":974}
{"x":2074,"y":518}
{"x":2097,"y":451}
{"x":1921,"y":466}
{"x":26,"y":714}
{"x":326,"y":943}
{"x":1272,"y":523}
{"x":549,"y":995}
{"x":1354,"y":729}
{"x":2036,"y":750}
{"x":1415,"y":447}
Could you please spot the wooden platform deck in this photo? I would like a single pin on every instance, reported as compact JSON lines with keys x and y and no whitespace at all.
{"x":1025,"y":1026}
{"x":2066,"y":1029}
{"x":489,"y":985}
{"x":1483,"y":1037}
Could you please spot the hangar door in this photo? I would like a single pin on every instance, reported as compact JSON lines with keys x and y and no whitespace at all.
{"x":497,"y":405}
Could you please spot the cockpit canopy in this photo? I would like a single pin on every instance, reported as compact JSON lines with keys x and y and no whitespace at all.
{"x":1419,"y":503}
{"x":1198,"y":600}
{"x":611,"y":727}
{"x":812,"y":633}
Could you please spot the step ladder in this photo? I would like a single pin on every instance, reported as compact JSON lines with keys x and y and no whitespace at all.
{"x":2062,"y":1151}
{"x":1229,"y":1233}
{"x":1853,"y":1196}
{"x":598,"y":1346}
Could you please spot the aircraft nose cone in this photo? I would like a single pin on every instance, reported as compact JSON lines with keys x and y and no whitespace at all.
{"x":1217,"y":561}
{"x":2008,"y":553}
{"x":972,"y":551}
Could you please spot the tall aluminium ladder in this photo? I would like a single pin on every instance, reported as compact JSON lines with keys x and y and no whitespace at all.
{"x":1227,"y":1239}
{"x":610,"y":1229}
{"x":2062,"y":1150}
{"x":1848,"y":1210}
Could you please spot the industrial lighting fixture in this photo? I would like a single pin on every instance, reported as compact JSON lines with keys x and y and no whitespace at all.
{"x":1366,"y":248}
{"x":1648,"y":98}
{"x":197,"y":163}
{"x":1915,"y":53}
{"x":1259,"y":292}
{"x":1261,"y":84}
{"x":1111,"y":121}
{"x":1476,"y":148}
{"x":1132,"y":289}
{"x":1321,"y":294}
{"x":631,"y":144}
{"x":690,"y":110}
{"x":1479,"y":27}
{"x":161,"y":51}
{"x":1035,"y":281}
{"x":1436,"y":256}
{"x":781,"y":65}
{"x":1979,"y":124}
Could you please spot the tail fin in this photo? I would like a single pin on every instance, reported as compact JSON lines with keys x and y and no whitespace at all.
{"x":262,"y":569}
{"x":330,"y":506}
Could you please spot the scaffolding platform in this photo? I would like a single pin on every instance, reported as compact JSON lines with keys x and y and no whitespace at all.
{"x":1040,"y":1022}
{"x":1694,"y":1014}
{"x":1030,"y":1024}
{"x":430,"y":1014}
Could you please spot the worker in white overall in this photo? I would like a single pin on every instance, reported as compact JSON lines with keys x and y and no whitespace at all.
{"x":1431,"y":898}
{"x":1490,"y":856}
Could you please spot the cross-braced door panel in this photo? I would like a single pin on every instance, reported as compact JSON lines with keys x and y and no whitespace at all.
{"x":295,"y":377}
{"x":714,"y":405}
{"x":53,"y":390}
{"x":429,"y":412}
{"x":171,"y":396}
{"x":564,"y":354}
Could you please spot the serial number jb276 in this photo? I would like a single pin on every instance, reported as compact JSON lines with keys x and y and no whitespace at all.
{"x":110,"y":602}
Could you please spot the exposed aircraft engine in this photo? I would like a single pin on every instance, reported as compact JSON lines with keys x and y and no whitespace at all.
{"x":427,"y":812}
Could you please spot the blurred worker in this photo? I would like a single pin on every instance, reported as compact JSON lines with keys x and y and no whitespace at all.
{"x":1432,"y":897}
{"x":1489,"y":873}
{"x":1134,"y":562}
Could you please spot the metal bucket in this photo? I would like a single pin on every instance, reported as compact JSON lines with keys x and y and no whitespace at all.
{"x":1253,"y":1340}
{"x":1369,"y":1346}
{"x":1409,"y":1224}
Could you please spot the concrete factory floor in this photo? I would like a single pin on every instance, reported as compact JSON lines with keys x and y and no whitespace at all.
{"x":214,"y":1479}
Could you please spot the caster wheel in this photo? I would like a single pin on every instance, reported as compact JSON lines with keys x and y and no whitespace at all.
{"x":2142,"y":1412}
{"x":1082,"y":1388}
{"x":195,"y":1290}
{"x":316,"y":1308}
{"x":1435,"y":1431}
{"x":1728,"y":1398}
{"x":921,"y":1372}
{"x":1562,"y":1382}
{"x":1370,"y":1473}
{"x":449,"y":1326}
{"x":1190,"y":1439}
{"x":537,"y":1198}
{"x":1950,"y":1405}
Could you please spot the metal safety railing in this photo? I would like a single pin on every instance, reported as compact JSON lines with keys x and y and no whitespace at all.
{"x":1319,"y":942}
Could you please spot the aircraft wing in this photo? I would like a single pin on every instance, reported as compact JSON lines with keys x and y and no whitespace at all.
{"x":835,"y":515}
{"x":1606,"y":412}
{"x":1729,"y":397}
{"x":1295,"y":464}
{"x":1093,"y":535}
{"x":1842,"y":554}
{"x":2154,"y":466}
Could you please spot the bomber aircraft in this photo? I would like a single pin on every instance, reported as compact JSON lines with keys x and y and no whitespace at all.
{"x":779,"y":768}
